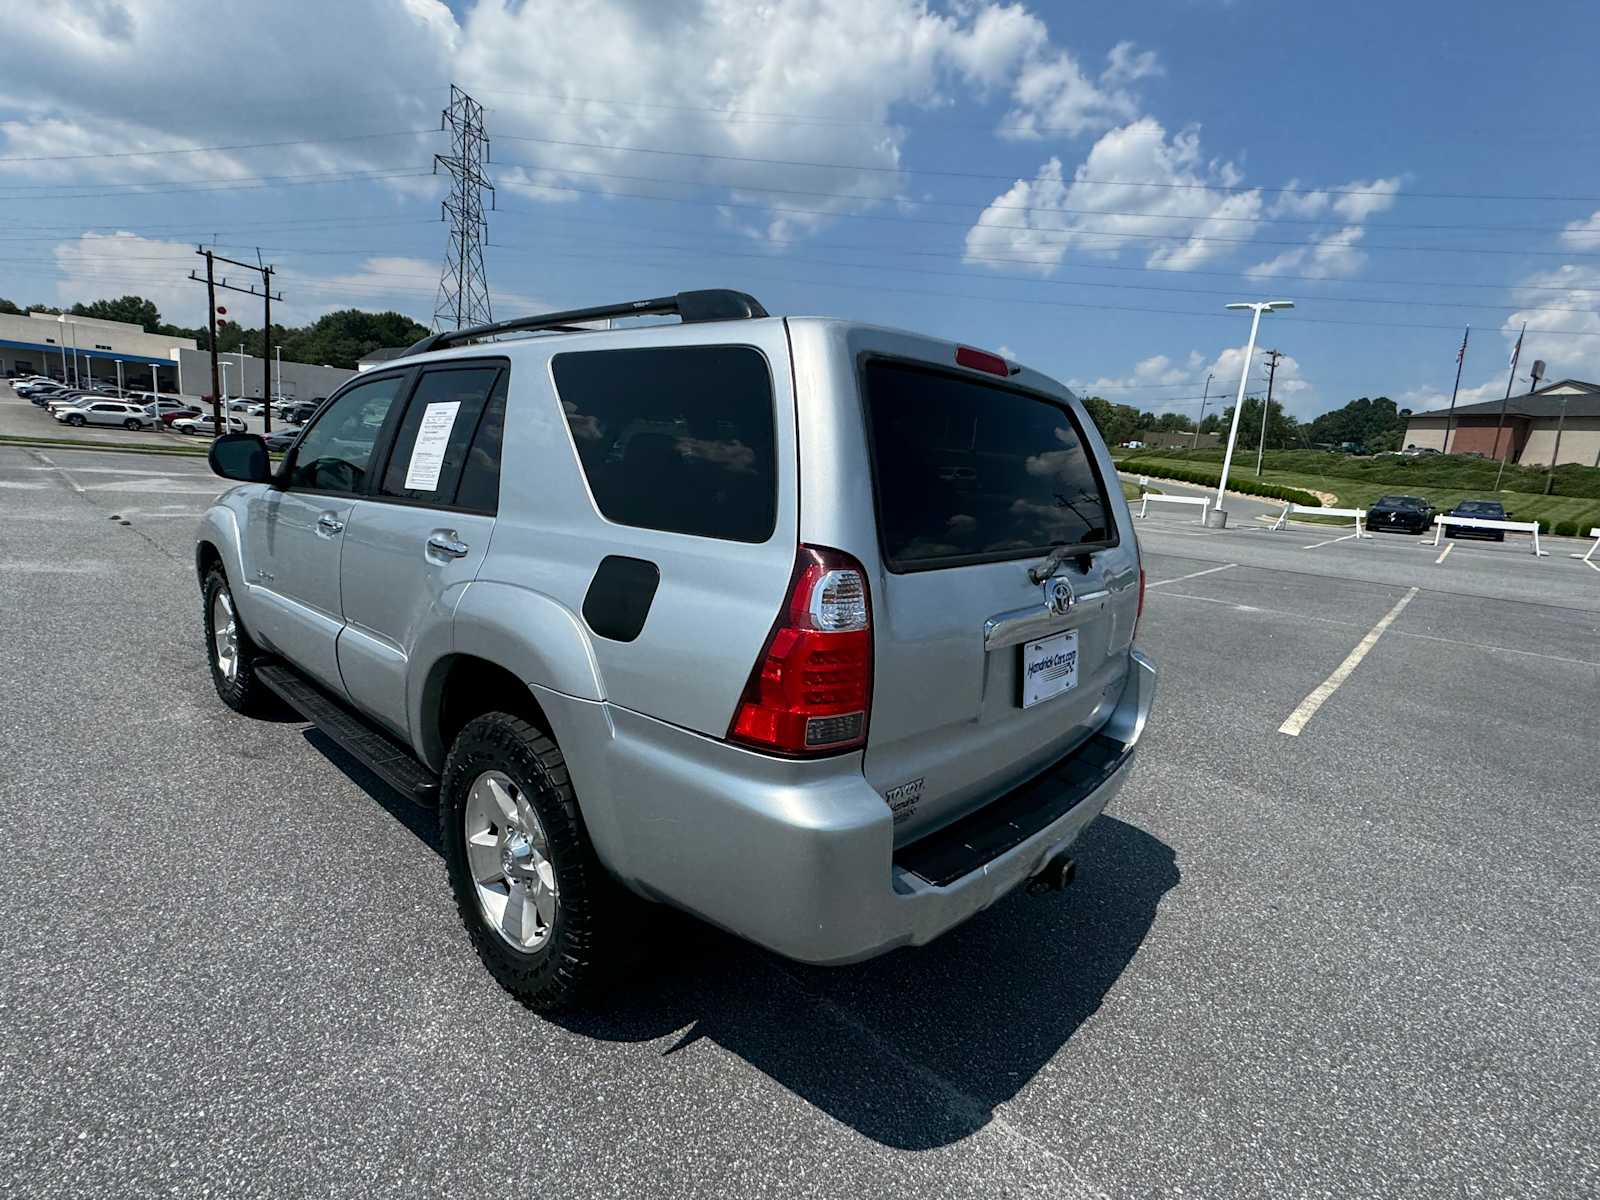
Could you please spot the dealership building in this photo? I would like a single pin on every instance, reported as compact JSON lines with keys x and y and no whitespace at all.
{"x":89,"y":350}
{"x":1533,"y":423}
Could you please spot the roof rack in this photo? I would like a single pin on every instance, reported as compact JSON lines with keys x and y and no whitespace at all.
{"x":714,"y":304}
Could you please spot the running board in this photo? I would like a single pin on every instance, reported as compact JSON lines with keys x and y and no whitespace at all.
{"x":385,"y":756}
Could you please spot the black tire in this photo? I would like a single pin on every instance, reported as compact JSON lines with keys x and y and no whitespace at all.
{"x":244,"y":692}
{"x":585,"y":938}
{"x":130,"y":423}
{"x":74,"y":419}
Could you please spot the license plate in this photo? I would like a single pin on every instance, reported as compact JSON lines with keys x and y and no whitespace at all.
{"x":1049,"y":667}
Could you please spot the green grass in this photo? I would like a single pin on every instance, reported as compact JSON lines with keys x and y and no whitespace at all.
{"x":108,"y":447}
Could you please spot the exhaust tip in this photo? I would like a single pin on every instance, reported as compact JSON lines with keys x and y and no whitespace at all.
{"x":1055,"y":876}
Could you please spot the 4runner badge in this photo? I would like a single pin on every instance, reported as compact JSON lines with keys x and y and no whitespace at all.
{"x":903,"y":799}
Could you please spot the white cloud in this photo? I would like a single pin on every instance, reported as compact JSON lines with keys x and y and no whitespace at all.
{"x":1336,"y":253}
{"x":104,"y":266}
{"x":713,"y":73}
{"x":1581,"y":234}
{"x":1164,"y":384}
{"x":1358,"y":200}
{"x":1042,"y":219}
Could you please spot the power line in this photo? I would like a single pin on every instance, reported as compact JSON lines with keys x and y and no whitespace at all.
{"x":1084,"y":235}
{"x":349,"y":137}
{"x":1092,"y":212}
{"x":1012,"y":175}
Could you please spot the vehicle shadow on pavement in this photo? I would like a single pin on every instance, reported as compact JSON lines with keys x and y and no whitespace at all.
{"x":914,"y":1050}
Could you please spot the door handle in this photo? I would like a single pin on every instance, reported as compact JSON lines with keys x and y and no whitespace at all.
{"x":448,"y":545}
{"x":329,"y":523}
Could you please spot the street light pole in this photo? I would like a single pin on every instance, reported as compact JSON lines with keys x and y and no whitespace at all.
{"x":1218,"y":516}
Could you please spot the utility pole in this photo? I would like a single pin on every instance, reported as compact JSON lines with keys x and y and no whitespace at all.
{"x":463,"y":298}
{"x":211,"y":326}
{"x":1272,"y":357}
{"x":1461,"y":358}
{"x":1511,"y":375}
{"x":1206,"y":395}
{"x":266,"y":273}
{"x":1555,"y":455}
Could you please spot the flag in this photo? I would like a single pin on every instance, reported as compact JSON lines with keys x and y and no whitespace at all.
{"x":1516,"y":351}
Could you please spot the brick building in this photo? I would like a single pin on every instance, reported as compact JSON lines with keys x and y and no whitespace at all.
{"x":1529,"y":433}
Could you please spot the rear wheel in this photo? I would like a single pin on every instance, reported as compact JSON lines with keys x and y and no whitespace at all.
{"x":74,"y":419}
{"x":130,"y":423}
{"x":539,"y":908}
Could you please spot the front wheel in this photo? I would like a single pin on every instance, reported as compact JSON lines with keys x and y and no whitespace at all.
{"x":230,"y":651}
{"x":539,"y":908}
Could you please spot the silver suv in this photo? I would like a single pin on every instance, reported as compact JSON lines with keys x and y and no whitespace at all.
{"x":819,"y":631}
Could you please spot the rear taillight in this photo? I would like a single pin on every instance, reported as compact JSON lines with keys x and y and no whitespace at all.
{"x":812,"y":686}
{"x":982,"y":360}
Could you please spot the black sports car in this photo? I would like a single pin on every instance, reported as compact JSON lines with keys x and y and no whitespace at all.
{"x":1483,"y":510}
{"x":1400,"y":514}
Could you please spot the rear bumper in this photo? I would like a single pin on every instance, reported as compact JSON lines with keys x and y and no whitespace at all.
{"x":800,"y":857}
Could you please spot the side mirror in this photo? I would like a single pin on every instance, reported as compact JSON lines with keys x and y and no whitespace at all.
{"x":241,"y":456}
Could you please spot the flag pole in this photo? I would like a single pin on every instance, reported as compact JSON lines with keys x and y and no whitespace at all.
{"x":1515,"y":355}
{"x":1461,"y":358}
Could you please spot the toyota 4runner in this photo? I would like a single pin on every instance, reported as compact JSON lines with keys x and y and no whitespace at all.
{"x":819,"y":631}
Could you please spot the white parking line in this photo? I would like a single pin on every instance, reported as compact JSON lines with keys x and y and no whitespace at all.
{"x":1329,"y":542}
{"x":1191,"y":575}
{"x":61,"y":471}
{"x":1444,"y":552}
{"x":1319,"y":696}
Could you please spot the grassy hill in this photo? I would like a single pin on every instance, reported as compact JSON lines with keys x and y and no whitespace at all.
{"x":1573,"y":508}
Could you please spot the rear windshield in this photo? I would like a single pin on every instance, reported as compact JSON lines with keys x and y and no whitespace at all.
{"x":971,"y":472}
{"x":678,"y":438}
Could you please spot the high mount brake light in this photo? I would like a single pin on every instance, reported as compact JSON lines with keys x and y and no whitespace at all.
{"x":811,"y":689}
{"x":982,"y":360}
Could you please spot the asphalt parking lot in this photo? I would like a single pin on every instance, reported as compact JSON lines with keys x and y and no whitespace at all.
{"x":1361,"y":959}
{"x":20,"y":417}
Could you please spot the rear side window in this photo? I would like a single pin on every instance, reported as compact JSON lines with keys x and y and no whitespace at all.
{"x":431,"y":445}
{"x":969,"y":472}
{"x":678,"y":438}
{"x":480,"y":478}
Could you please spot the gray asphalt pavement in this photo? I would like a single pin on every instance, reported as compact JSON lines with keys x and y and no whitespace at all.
{"x":1357,"y":962}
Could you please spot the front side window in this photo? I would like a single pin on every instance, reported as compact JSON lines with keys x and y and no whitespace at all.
{"x":967,"y":471}
{"x":676,"y":438}
{"x":336,"y":453}
{"x":431,"y":445}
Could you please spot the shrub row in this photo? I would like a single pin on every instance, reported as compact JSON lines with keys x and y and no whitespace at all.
{"x":1251,"y":487}
{"x":1433,"y":470}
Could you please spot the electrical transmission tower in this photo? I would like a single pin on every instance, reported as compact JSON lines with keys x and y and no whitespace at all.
{"x":463,"y":287}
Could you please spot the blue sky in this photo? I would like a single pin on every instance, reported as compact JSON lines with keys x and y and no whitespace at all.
{"x":1082,"y":186}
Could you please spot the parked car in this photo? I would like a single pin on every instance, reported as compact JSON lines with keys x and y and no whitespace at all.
{"x":280,"y":440}
{"x":160,"y":408}
{"x":71,"y":399}
{"x":298,"y":414}
{"x":178,"y":414}
{"x":735,"y":570}
{"x":1483,"y":510}
{"x":105,"y":412}
{"x":203,"y":423}
{"x":1400,"y":514}
{"x":239,"y":405}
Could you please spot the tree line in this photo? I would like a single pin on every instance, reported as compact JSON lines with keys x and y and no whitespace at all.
{"x":1371,"y":423}
{"x":335,"y":340}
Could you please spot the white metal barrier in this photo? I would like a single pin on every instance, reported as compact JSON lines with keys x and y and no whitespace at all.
{"x":1588,"y":559}
{"x":1145,"y":501}
{"x":1357,"y":513}
{"x":1482,"y":523}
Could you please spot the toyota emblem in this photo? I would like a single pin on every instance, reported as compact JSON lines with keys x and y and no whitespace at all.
{"x":1058,"y":597}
